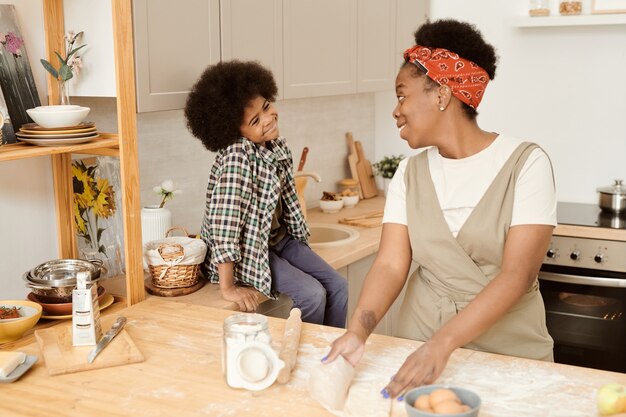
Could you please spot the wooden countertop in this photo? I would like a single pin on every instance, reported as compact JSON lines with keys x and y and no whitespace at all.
{"x":181,"y":375}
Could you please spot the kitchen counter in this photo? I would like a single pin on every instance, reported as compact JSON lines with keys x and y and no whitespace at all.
{"x":181,"y":375}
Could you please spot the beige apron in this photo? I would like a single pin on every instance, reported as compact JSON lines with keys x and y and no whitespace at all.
{"x":453,"y":271}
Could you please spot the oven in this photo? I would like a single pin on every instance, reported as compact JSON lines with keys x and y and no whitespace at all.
{"x":583,"y":285}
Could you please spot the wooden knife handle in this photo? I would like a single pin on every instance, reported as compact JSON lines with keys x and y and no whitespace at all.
{"x":305,"y":151}
{"x":289,"y":349}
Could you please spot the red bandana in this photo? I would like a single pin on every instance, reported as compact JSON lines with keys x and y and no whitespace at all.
{"x":466,"y":80}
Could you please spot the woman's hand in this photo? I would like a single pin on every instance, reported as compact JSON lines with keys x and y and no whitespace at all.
{"x":421,"y":367}
{"x":350,"y":346}
{"x":246,"y":298}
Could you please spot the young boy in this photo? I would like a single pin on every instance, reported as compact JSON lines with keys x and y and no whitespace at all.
{"x":253,"y":224}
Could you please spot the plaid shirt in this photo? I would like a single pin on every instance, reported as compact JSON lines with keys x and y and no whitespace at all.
{"x":245,"y":184}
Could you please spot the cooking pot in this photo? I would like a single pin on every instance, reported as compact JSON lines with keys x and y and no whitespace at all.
{"x":613,"y":198}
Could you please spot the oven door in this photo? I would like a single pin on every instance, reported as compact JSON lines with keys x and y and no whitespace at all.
{"x":586,"y":317}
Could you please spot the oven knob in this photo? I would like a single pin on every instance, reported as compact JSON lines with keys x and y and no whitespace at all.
{"x":598,"y":258}
{"x":551,"y":253}
{"x":574,"y":256}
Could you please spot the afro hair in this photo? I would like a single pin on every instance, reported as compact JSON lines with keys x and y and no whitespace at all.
{"x":462,"y":38}
{"x":215,"y":105}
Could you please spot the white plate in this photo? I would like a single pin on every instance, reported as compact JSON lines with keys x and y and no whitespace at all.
{"x":55,"y":136}
{"x":20,"y":370}
{"x":57,"y":142}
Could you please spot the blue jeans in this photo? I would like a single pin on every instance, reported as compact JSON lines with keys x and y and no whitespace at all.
{"x":313,"y":285}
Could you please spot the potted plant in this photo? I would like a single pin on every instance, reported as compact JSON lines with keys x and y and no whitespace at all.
{"x":386,"y":168}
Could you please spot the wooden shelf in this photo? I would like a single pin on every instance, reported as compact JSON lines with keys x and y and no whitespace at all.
{"x":578,"y":20}
{"x":106,"y":145}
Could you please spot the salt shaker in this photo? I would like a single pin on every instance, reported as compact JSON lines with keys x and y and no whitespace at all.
{"x":248,"y":360}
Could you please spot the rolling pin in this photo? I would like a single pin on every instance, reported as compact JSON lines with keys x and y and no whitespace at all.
{"x":289,"y":349}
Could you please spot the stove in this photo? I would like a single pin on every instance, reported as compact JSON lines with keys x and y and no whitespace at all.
{"x":583,"y":284}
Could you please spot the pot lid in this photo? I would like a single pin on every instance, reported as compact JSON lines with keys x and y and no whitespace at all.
{"x":617,"y":188}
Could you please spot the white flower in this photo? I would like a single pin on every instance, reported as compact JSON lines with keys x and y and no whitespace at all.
{"x":157,"y":189}
{"x":168,"y":186}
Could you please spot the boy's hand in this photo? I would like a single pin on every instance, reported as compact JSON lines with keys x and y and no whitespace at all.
{"x":246,"y":298}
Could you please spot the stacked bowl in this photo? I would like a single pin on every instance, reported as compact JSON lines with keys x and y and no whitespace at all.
{"x":57,"y":125}
{"x":52,"y":282}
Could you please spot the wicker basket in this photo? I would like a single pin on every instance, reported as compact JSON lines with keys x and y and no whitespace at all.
{"x":174,"y":262}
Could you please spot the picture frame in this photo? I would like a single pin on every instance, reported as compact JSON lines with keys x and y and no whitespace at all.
{"x":16,"y":78}
{"x":608,"y":6}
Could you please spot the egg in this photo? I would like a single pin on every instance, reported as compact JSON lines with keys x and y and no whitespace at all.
{"x":422,"y":403}
{"x":441,"y":395}
{"x":448,"y":407}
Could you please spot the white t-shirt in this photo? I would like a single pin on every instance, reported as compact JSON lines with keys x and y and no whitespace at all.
{"x":461,"y":183}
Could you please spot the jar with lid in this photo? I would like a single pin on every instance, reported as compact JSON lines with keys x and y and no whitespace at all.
{"x":248,"y":360}
{"x":570,"y":7}
{"x":539,"y":8}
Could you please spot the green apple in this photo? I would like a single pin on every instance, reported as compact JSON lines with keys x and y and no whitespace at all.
{"x":611,"y":399}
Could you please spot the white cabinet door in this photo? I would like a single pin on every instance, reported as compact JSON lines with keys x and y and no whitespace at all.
{"x":174,"y":43}
{"x":411,"y":14}
{"x":377,"y":60}
{"x":253,"y":30}
{"x":319,"y":47}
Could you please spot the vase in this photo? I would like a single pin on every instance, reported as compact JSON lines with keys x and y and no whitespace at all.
{"x":155,"y":222}
{"x":386,"y":182}
{"x":64,"y":93}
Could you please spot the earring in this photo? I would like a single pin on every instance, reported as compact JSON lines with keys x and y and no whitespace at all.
{"x":442,"y":108}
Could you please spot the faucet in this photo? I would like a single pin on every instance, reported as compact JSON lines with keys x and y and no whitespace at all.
{"x":301,"y":178}
{"x":313,"y":175}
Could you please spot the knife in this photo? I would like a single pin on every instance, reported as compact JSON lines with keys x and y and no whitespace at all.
{"x":113,"y":331}
{"x":303,"y":158}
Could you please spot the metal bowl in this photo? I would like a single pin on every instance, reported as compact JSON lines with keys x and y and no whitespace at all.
{"x":62,"y":272}
{"x":54,"y":280}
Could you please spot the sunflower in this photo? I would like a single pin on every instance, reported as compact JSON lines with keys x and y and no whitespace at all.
{"x":104,"y":201}
{"x":81,"y":226}
{"x":82,"y":183}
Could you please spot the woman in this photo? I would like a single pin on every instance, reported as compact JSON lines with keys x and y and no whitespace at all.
{"x":475,"y":212}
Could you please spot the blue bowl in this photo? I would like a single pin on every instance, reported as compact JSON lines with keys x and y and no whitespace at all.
{"x":466,"y":396}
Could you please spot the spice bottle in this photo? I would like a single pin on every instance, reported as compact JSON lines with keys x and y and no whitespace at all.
{"x":570,"y":7}
{"x":248,"y":360}
{"x":539,"y":8}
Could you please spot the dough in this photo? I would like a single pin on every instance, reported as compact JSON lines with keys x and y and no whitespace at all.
{"x":335,"y":386}
{"x":329,"y":383}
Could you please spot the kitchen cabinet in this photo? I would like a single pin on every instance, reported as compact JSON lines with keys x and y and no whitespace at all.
{"x":173,"y":44}
{"x":253,"y":30}
{"x":377,"y":61}
{"x":355,"y":274}
{"x":122,"y":144}
{"x":354,"y":53}
{"x":320,"y":48}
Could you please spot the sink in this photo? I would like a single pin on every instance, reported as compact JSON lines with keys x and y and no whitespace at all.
{"x":330,"y":235}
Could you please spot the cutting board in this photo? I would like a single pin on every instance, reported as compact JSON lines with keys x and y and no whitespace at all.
{"x":61,"y":357}
{"x":353,"y":159}
{"x":366,"y":176}
{"x":372,"y":219}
